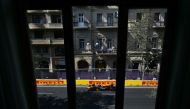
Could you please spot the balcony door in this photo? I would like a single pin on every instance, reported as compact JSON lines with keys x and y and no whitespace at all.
{"x":110,"y":19}
{"x":81,"y":20}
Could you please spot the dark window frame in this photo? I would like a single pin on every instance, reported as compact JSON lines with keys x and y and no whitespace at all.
{"x":59,"y":51}
{"x":157,"y":17}
{"x":81,"y":17}
{"x":99,"y":17}
{"x":139,"y":16}
{"x":56,"y":18}
{"x":110,"y":19}
{"x":109,"y":43}
{"x":122,"y":28}
{"x":81,"y":43}
{"x":41,"y":49}
{"x":39,"y":33}
{"x":38,"y":19}
{"x":58,"y":34}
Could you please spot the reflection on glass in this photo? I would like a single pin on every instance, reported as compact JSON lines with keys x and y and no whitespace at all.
{"x":47,"y":43}
{"x":95,"y":45}
{"x":145,"y":41}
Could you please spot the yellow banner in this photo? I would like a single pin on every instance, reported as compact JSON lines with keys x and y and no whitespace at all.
{"x":98,"y":82}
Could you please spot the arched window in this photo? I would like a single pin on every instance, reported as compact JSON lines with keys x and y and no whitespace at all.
{"x":82,"y":64}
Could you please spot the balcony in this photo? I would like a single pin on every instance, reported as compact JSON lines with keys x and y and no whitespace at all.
{"x":45,"y":26}
{"x":37,"y":26}
{"x":158,"y":24}
{"x":36,"y":11}
{"x":57,"y":41}
{"x":55,"y":26}
{"x":80,"y":25}
{"x":53,"y":11}
{"x":107,"y":25}
{"x":40,"y":41}
{"x":108,"y":51}
{"x":97,"y":51}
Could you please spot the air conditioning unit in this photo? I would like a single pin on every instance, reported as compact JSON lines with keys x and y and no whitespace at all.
{"x":116,"y":14}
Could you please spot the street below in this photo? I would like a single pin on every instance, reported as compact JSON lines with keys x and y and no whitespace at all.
{"x":55,"y":97}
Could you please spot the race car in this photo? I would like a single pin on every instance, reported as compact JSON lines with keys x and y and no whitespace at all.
{"x":101,"y":88}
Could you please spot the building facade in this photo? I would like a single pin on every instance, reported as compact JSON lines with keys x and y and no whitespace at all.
{"x":95,"y":38}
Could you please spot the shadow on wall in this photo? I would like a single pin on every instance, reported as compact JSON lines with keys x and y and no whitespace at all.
{"x":85,"y":100}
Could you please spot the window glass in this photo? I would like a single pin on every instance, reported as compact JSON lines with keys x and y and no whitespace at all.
{"x":59,"y":51}
{"x":38,"y":34}
{"x":81,"y":43}
{"x":143,"y":61}
{"x":109,"y":43}
{"x":38,"y":18}
{"x":99,"y":17}
{"x":58,"y":34}
{"x":81,"y":17}
{"x":95,"y":63}
{"x":110,"y":19}
{"x":56,"y":18}
{"x":156,"y":17}
{"x":48,"y":58}
{"x":138,"y":17}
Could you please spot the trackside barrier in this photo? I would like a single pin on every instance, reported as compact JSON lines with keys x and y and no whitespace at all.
{"x":50,"y":82}
{"x":133,"y":82}
{"x":102,"y":82}
{"x":149,"y":83}
{"x":97,"y":82}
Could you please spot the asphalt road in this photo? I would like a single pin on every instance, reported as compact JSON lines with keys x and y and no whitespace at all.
{"x":135,"y":98}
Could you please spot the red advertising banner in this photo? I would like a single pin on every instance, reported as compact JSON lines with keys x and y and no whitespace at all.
{"x":149,"y":83}
{"x":50,"y":82}
{"x":102,"y":82}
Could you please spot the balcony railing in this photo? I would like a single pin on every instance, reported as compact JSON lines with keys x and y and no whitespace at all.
{"x":78,"y":25}
{"x":57,"y":41}
{"x":54,"y":11}
{"x":36,"y":11}
{"x":106,"y":25}
{"x":45,"y":25}
{"x":55,"y":25}
{"x":40,"y":41}
{"x":97,"y":51}
{"x":158,"y":24}
{"x":36,"y":25}
{"x":42,"y":11}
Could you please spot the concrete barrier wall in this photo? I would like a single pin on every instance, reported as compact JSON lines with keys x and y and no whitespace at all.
{"x":97,"y":82}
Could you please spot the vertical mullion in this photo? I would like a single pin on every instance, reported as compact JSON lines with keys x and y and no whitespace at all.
{"x":168,"y":52}
{"x":121,"y":58}
{"x":69,"y":55}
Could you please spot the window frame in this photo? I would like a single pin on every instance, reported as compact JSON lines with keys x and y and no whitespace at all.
{"x":156,"y":17}
{"x":58,"y":34}
{"x":99,"y":18}
{"x":81,"y":43}
{"x":110,"y":19}
{"x":56,"y":18}
{"x":80,"y":17}
{"x":139,"y":16}
{"x":122,"y":28}
{"x":41,"y":32}
{"x":59,"y":51}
